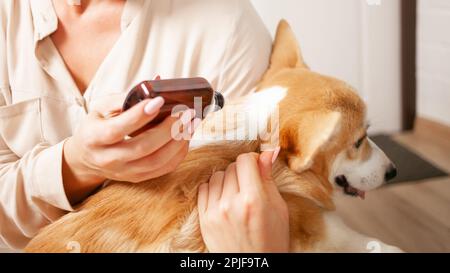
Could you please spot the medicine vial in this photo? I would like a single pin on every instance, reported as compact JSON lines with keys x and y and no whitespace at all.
{"x":183,"y":93}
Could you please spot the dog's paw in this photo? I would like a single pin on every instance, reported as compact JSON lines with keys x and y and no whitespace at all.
{"x":379,"y":247}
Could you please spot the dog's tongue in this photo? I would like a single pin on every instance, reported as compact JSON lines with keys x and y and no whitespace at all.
{"x":361,"y":194}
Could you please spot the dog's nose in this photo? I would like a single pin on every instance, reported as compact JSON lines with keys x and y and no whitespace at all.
{"x":391,"y":173}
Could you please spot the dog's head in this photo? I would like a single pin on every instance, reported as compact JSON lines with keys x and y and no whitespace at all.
{"x":323,"y":126}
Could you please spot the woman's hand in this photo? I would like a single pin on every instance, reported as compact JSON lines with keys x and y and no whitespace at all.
{"x":100,"y":149}
{"x":241,"y":209}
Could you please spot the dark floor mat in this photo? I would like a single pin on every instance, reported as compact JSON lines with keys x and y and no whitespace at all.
{"x":411,"y":167}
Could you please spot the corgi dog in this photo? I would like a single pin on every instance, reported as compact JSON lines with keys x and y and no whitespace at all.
{"x":325,"y":151}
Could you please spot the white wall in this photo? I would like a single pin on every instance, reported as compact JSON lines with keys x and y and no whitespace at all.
{"x":353,"y":41}
{"x":434,"y":60}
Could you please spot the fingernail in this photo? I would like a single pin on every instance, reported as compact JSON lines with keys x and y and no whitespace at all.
{"x":187,"y":116}
{"x":154,"y":105}
{"x":158,"y":77}
{"x":275,"y":154}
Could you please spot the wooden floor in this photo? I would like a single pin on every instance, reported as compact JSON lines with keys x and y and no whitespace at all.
{"x":413,"y":216}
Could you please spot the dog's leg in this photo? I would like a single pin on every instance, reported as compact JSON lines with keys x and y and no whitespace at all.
{"x":341,"y":238}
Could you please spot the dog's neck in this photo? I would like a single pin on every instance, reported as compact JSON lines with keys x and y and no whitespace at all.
{"x":306,"y":185}
{"x":237,"y":119}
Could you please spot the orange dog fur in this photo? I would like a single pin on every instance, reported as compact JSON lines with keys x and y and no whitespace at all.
{"x":320,"y":119}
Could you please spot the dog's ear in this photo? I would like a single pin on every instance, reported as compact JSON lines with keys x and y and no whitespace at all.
{"x":286,"y":51}
{"x":314,"y":132}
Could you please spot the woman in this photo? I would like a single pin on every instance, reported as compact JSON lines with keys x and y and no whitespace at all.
{"x":67,"y":65}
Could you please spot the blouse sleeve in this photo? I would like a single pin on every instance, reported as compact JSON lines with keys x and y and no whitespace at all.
{"x":31,"y":187}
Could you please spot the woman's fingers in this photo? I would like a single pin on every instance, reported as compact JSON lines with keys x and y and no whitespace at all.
{"x":231,"y":184}
{"x":151,"y":140}
{"x":164,"y":158}
{"x":248,"y":173}
{"x":265,"y":162}
{"x":215,"y":188}
{"x":234,"y":225}
{"x":202,"y":199}
{"x":169,"y":167}
{"x":115,"y":129}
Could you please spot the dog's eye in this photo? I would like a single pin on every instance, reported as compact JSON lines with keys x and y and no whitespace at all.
{"x":359,"y":142}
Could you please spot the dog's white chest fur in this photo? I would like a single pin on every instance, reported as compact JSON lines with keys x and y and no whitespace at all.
{"x":245,"y":120}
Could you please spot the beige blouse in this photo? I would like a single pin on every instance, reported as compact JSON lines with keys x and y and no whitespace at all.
{"x":40,"y":105}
